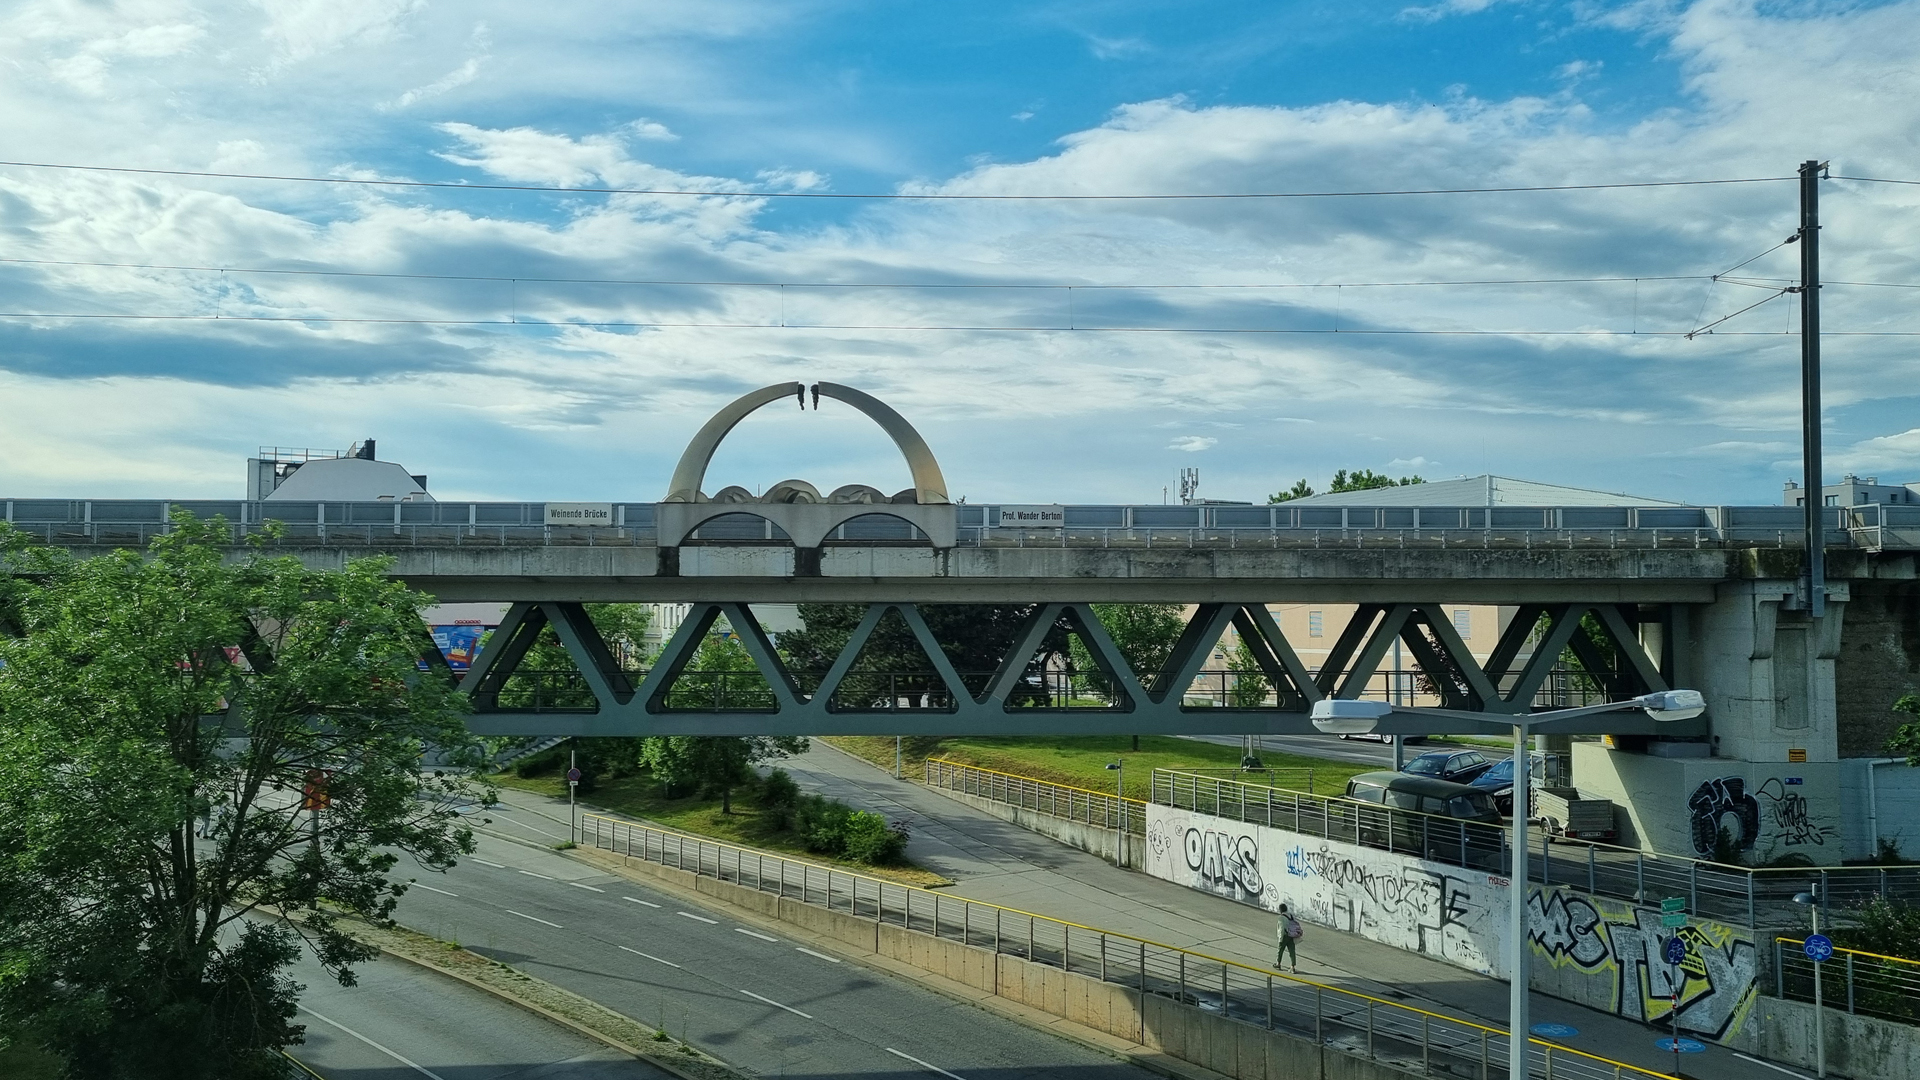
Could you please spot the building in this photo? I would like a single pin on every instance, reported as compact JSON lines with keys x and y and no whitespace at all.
{"x":1854,"y":491}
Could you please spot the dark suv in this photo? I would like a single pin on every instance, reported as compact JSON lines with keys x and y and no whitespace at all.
{"x":1453,"y":766}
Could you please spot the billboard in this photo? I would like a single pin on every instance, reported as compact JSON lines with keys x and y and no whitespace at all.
{"x":459,"y":643}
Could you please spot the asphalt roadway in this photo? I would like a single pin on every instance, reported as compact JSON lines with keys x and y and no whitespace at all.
{"x":1332,"y":747}
{"x":404,"y":1022}
{"x":739,"y":992}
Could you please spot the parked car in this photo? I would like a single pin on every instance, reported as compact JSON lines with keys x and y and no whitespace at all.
{"x":1447,"y":822}
{"x":1454,"y":766}
{"x":1498,"y":780}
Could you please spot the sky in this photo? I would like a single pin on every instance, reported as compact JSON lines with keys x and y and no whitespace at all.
{"x":156,"y":330}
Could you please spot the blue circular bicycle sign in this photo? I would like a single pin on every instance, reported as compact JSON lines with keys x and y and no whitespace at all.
{"x":1676,"y":951}
{"x":1819,"y":947}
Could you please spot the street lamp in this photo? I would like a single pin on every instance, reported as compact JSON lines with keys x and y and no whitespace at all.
{"x":1345,"y":716}
{"x":1819,"y":1019}
{"x":1120,"y":790}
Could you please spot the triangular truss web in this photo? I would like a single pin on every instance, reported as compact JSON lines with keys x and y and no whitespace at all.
{"x":891,"y":662}
{"x":545,"y":657}
{"x":1258,"y":667}
{"x":721,"y":661}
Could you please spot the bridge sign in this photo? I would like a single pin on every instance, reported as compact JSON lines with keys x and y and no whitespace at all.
{"x":1678,"y":918}
{"x":1676,"y":950}
{"x":1819,"y":948}
{"x":1672,"y":904}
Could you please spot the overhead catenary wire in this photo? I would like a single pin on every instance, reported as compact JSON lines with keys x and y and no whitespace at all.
{"x":884,"y":196}
{"x":931,"y":327}
{"x":794,"y":284}
{"x":1691,"y":334}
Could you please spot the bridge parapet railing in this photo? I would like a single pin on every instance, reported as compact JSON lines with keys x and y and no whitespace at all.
{"x":1415,"y":1039}
{"x":1752,"y":897}
{"x":1860,"y":982}
{"x":1098,"y":808}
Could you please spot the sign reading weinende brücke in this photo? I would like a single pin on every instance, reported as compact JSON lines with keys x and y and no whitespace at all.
{"x":579,"y":513}
{"x":1033,"y":517}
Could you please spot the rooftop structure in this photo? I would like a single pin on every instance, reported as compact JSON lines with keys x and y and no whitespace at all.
{"x":1486,"y":490}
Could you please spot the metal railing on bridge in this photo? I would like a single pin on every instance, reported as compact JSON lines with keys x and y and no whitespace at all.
{"x":1860,"y":982}
{"x":1737,"y":895}
{"x":450,"y":524}
{"x":1103,"y":809}
{"x":1432,"y":1043}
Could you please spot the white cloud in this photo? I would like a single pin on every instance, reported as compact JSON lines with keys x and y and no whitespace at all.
{"x":1413,"y":463}
{"x":468,"y":71}
{"x":1446,"y":9}
{"x":1192,"y":443}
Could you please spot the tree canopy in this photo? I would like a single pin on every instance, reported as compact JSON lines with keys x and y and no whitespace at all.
{"x":1357,"y":480}
{"x":169,"y":720}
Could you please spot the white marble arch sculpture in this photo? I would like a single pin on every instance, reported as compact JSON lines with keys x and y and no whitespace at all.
{"x":929,"y":486}
{"x":807,"y":523}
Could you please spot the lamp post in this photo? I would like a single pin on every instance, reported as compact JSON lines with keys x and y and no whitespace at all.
{"x":1811,"y":899}
{"x":1120,"y":789}
{"x":1344,"y":716}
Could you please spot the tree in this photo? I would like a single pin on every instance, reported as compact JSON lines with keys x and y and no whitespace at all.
{"x":1249,"y":689}
{"x":1906,"y":738}
{"x":714,"y":764}
{"x":162,"y":719}
{"x":1357,"y":480}
{"x":548,"y":676}
{"x":1143,"y":633}
{"x":974,"y":636}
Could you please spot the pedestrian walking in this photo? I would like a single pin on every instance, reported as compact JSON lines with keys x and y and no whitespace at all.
{"x":1290,"y":933}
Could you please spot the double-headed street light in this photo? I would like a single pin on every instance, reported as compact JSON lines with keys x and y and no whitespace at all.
{"x":1346,"y":716}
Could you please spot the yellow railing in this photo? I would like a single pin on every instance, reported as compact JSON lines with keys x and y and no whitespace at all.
{"x":1855,"y":980}
{"x":1100,"y":808}
{"x":1387,"y":1030}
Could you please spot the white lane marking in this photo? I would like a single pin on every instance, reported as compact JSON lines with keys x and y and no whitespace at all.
{"x":430,"y":888}
{"x":922,"y":1064}
{"x":523,"y":825}
{"x":637,"y":900}
{"x":697,"y":918}
{"x":543,"y":922}
{"x":652,"y":957}
{"x":421,"y":1069}
{"x":495,"y":865}
{"x":775,"y":1004}
{"x":530,"y":873}
{"x":1769,"y":1065}
{"x":753,"y":933}
{"x":819,"y":955}
{"x":589,"y":888}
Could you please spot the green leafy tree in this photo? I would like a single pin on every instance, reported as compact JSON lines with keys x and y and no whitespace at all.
{"x":974,"y":636}
{"x":714,"y":764}
{"x":1906,"y":738}
{"x":1144,"y":633}
{"x":161,"y":718}
{"x":1357,"y":480}
{"x":548,"y":676}
{"x":1250,"y":685}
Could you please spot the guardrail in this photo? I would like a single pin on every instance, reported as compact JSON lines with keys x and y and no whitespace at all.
{"x":1860,"y":982}
{"x":1041,"y":796}
{"x":1357,"y":1023}
{"x":436,"y":524}
{"x":1737,"y":895}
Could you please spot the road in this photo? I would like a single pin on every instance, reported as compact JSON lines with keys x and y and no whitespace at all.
{"x":404,"y":1022}
{"x":748,"y":996}
{"x":1331,"y":747}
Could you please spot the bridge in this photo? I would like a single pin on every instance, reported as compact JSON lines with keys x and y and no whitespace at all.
{"x":1646,"y":598}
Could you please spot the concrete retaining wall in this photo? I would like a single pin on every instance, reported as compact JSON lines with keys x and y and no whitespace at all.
{"x":1860,"y":1047}
{"x":1121,"y":849}
{"x":1235,"y":1049}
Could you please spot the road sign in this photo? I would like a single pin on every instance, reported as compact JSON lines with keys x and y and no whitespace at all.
{"x":1677,"y":919}
{"x":1673,"y":903}
{"x":1554,"y":1031}
{"x":573,"y":776}
{"x":1676,"y":950}
{"x":1819,"y":948}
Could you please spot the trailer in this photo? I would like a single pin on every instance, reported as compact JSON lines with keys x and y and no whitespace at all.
{"x":1572,"y":813}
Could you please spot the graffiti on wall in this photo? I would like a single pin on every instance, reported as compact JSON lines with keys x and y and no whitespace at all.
{"x":1409,"y":905}
{"x":1727,"y":804}
{"x":1221,"y":857}
{"x":1626,"y":945}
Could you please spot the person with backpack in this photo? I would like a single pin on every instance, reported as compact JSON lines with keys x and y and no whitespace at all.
{"x":1290,"y":934}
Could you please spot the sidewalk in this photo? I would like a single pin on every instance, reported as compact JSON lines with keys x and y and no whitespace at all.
{"x":1000,"y":863}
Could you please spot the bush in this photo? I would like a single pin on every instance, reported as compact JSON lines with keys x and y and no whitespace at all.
{"x":822,"y":824}
{"x":540,"y":764}
{"x":870,"y":840}
{"x":778,"y":791}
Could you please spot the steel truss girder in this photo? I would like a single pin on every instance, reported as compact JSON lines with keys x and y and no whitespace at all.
{"x":1155,"y":707}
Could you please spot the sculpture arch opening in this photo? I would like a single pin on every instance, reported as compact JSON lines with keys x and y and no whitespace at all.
{"x":929,"y":484}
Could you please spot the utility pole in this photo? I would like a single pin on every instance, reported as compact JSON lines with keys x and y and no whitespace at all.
{"x":1815,"y":485}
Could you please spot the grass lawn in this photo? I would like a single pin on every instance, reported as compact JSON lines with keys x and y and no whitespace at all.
{"x":639,"y":796}
{"x":1081,"y":760}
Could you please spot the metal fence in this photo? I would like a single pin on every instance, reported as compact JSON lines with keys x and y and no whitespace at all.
{"x":1859,"y":982}
{"x":1429,"y":1043}
{"x":1736,"y":895}
{"x":1041,"y":796}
